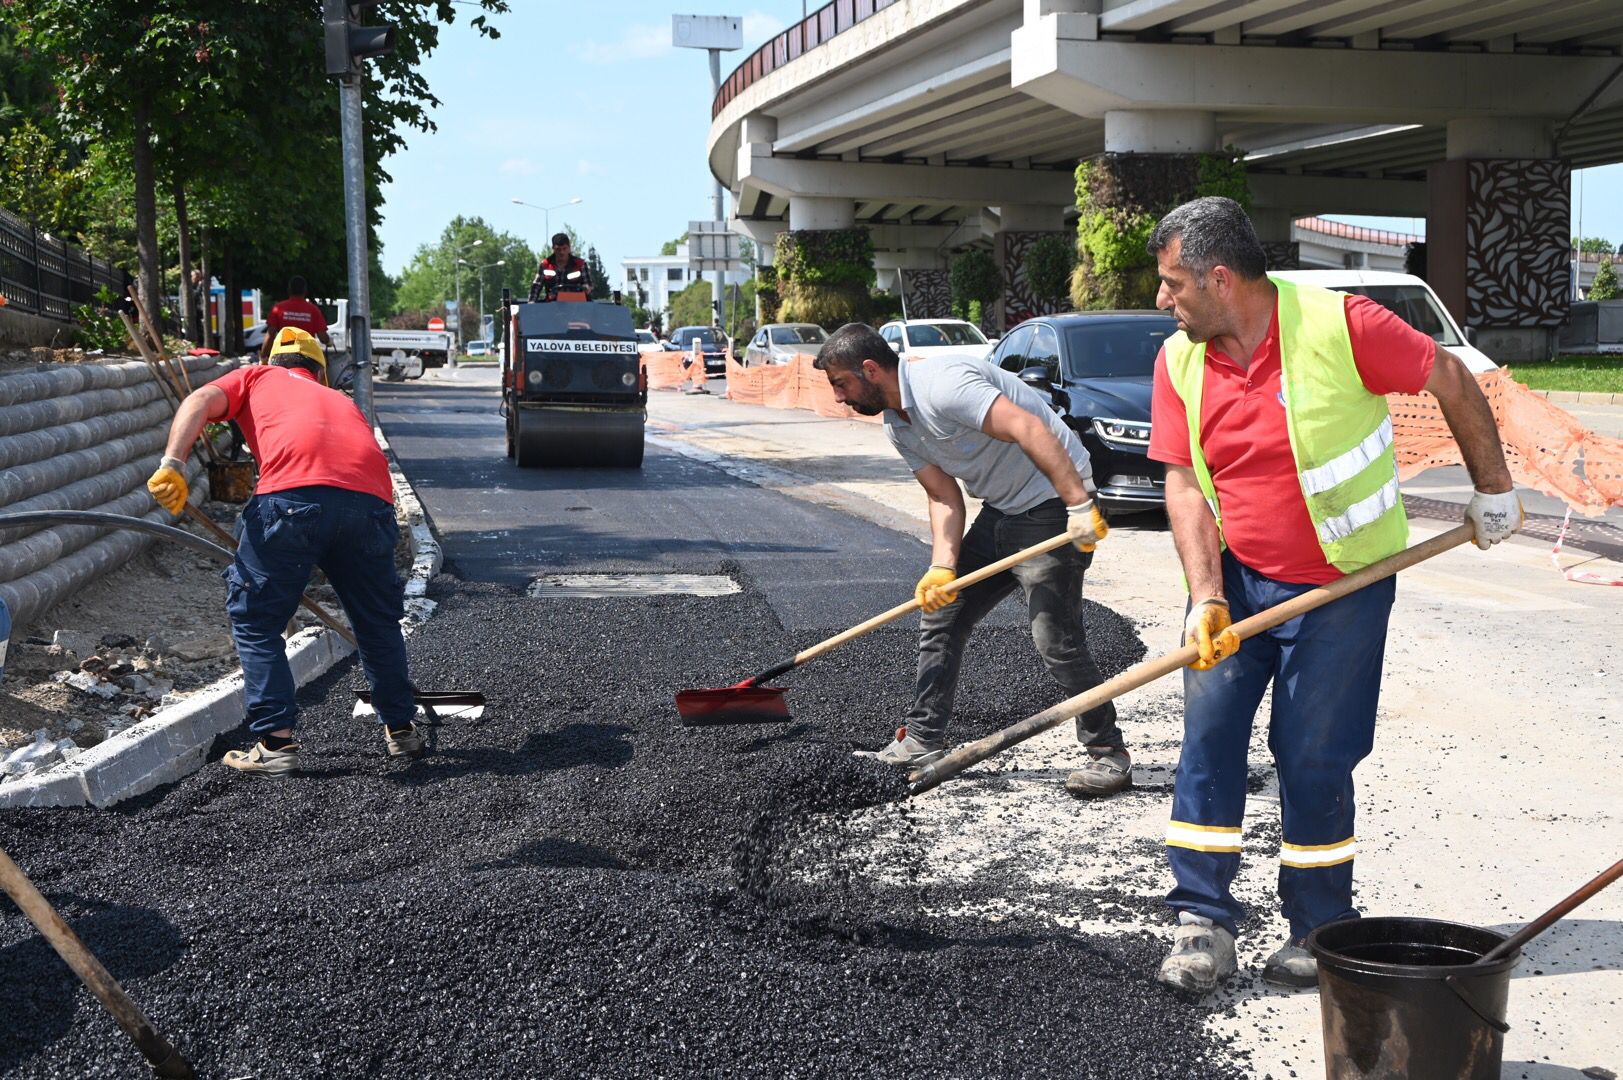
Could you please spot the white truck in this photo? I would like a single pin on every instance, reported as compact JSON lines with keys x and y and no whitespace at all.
{"x":397,"y":354}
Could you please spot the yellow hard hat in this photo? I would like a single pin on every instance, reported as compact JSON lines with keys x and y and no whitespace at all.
{"x":290,"y":339}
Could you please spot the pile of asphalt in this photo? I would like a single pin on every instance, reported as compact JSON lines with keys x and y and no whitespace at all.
{"x":575,"y":885}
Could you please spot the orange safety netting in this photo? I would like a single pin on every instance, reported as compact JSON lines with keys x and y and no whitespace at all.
{"x":794,"y":385}
{"x":668,"y":370}
{"x":1547,"y":449}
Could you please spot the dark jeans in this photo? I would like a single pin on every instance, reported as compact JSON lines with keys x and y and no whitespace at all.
{"x":1052,"y":585}
{"x":283,"y":536}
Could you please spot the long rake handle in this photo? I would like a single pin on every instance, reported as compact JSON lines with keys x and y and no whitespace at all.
{"x":165,"y":1059}
{"x":1149,"y":670}
{"x":972,"y":578}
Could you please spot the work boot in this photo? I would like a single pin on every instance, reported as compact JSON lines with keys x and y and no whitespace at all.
{"x":1291,"y":965}
{"x":905,"y":752}
{"x":407,"y":744}
{"x":260,"y":761}
{"x":1202,"y":953}
{"x":1107,"y":771}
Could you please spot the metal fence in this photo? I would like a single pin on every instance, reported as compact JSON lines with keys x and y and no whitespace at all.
{"x":45,"y":276}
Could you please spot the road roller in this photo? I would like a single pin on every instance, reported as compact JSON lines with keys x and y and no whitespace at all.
{"x":574,"y":390}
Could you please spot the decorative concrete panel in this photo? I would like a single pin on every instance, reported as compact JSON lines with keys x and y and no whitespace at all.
{"x":1283,"y":254}
{"x":1517,"y":243}
{"x":928,"y":294}
{"x":1018,"y":303}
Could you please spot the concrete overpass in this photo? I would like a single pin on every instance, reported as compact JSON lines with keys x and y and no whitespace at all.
{"x":945,"y":121}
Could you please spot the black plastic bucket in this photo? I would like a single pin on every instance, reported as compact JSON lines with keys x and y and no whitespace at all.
{"x":1401,"y":1000}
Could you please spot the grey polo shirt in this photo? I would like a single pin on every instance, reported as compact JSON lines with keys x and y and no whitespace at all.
{"x":947,"y":398}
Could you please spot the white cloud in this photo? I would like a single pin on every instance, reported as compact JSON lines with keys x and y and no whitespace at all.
{"x":519,"y":167}
{"x":639,"y":41}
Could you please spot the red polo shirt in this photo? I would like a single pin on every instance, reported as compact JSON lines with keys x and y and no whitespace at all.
{"x":1247,"y":447}
{"x":298,"y":312}
{"x":303,"y":434}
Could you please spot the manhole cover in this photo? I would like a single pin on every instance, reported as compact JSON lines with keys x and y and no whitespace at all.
{"x":556,"y":586}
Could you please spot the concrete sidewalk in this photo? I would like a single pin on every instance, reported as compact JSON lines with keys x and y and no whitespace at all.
{"x":1492,"y":791}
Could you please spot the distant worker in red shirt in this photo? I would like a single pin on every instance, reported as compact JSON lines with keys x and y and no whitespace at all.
{"x":1269,"y":411}
{"x":324,"y":499}
{"x":555,"y":270}
{"x":296,"y":312}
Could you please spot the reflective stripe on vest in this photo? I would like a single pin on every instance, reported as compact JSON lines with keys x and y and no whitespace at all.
{"x":1340,"y":433}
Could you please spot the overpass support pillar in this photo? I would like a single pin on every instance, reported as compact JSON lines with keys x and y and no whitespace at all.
{"x":1497,"y":235}
{"x":1274,"y":230}
{"x":1019,"y":227}
{"x":816,"y":212}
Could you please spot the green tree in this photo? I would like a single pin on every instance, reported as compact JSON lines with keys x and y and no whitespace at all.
{"x":1594,"y":245}
{"x":691,"y":306}
{"x":38,"y":180}
{"x":1048,"y":268}
{"x":1605,"y":286}
{"x":601,"y":286}
{"x":669,"y":247}
{"x":973,"y":277}
{"x":431,"y":277}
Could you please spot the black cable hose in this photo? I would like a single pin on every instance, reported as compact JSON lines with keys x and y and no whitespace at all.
{"x":116,"y":521}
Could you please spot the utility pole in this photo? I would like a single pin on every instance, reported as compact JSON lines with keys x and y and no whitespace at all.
{"x":715,"y":34}
{"x":348,"y":43}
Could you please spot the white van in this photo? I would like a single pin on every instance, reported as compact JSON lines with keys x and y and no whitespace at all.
{"x":1410,"y":298}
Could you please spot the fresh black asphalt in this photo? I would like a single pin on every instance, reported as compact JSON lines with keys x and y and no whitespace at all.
{"x":575,"y":885}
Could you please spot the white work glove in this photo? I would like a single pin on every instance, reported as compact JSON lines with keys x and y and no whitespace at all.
{"x":1494,"y":517}
{"x":1085,"y":525}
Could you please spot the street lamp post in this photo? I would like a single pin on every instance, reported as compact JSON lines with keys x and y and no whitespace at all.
{"x":480,"y":270}
{"x":456,"y":283}
{"x":547,"y":210}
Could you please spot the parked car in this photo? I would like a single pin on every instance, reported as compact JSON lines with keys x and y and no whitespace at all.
{"x":648,"y":341}
{"x":1097,"y":369}
{"x":712,"y":342}
{"x":927,"y":337}
{"x":1408,"y":297}
{"x":478,"y":347}
{"x":777,"y":343}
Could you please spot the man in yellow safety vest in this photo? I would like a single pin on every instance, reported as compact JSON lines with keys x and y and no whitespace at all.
{"x":1269,"y":412}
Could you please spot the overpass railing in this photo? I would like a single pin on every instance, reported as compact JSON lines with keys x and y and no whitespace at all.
{"x":802,"y":37}
{"x":42,"y":275}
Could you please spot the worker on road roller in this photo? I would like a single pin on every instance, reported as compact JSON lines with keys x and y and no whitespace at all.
{"x":560,"y":270}
{"x":955,"y":418}
{"x":1269,"y":412}
{"x":324,"y":499}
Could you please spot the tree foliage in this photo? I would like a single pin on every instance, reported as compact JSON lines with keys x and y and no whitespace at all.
{"x":432,"y":276}
{"x":973,"y":276}
{"x":1594,"y":245}
{"x":1605,"y":286}
{"x":1048,"y":268}
{"x":691,"y":306}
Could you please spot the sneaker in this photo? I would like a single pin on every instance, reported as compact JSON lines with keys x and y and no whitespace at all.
{"x":407,"y":744}
{"x":1106,"y":772}
{"x":1291,"y":965}
{"x":259,"y":761}
{"x":905,"y":752}
{"x":1202,"y":953}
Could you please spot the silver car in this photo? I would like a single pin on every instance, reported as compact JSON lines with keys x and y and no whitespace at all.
{"x":777,"y":343}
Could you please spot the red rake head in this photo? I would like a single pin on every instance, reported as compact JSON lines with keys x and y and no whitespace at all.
{"x":732,"y":705}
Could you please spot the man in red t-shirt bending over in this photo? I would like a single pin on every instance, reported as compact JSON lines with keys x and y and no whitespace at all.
{"x":1270,"y":414}
{"x":324,"y":499}
{"x":296,"y":312}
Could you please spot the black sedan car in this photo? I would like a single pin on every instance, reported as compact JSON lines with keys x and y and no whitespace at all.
{"x":712,"y":343}
{"x":1097,"y":368}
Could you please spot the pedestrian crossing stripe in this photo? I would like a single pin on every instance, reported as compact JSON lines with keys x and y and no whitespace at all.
{"x":1224,"y":839}
{"x":1316,"y":856}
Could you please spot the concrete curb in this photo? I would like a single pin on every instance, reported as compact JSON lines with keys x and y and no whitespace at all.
{"x":1580,"y":397}
{"x":174,"y":742}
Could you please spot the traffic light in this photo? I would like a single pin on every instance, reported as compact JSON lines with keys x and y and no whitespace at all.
{"x":348,"y":42}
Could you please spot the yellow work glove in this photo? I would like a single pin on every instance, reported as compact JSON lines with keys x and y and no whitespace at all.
{"x":1086,"y":525}
{"x":168,"y":486}
{"x":932,"y":592}
{"x":1208,"y":627}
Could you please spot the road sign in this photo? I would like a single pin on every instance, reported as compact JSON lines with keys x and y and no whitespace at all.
{"x":711,"y":246}
{"x":436,"y":323}
{"x":707,"y":31}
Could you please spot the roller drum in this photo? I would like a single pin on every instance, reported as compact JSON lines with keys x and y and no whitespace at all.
{"x":579,"y":436}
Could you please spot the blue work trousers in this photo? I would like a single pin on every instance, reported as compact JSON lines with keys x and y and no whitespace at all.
{"x":1325,"y":667}
{"x":282,"y":537}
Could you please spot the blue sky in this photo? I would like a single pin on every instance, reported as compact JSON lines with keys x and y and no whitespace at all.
{"x":590,"y":100}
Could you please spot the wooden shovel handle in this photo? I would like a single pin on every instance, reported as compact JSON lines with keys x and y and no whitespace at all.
{"x":1555,"y":914}
{"x":1149,"y":670}
{"x":163,"y":1057}
{"x":972,"y":578}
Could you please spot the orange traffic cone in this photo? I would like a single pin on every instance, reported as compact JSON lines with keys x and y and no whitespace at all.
{"x":696,"y":368}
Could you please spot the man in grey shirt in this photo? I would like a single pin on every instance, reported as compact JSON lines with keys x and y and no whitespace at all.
{"x":957,"y":418}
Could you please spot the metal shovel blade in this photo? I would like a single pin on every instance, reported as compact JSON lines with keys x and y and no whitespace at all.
{"x":732,"y":705}
{"x":445,"y":704}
